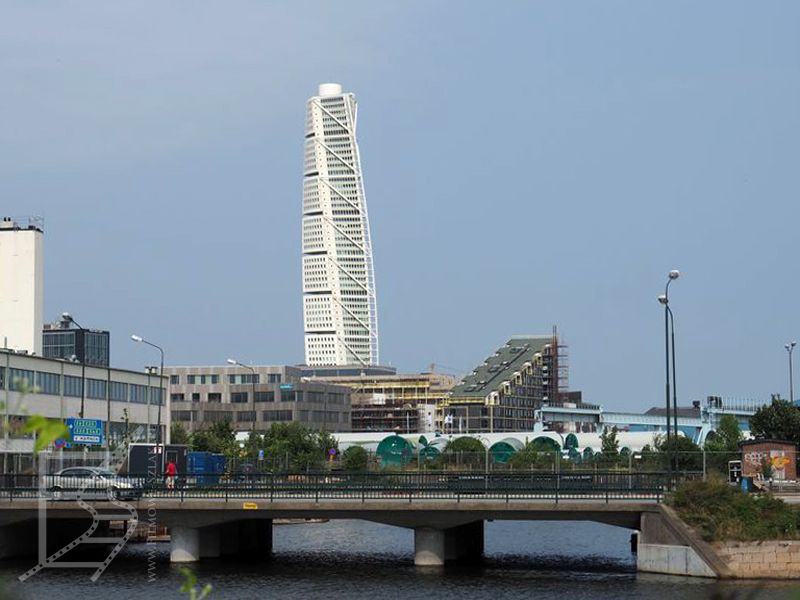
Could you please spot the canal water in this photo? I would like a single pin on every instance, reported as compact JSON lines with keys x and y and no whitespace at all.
{"x":361,"y":560}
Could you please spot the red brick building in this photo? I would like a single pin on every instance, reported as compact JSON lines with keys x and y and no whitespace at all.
{"x":780,"y":454}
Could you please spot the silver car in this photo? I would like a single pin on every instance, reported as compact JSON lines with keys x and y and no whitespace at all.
{"x":89,"y":483}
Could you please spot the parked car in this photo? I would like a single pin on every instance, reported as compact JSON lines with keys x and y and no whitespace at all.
{"x":90,"y":483}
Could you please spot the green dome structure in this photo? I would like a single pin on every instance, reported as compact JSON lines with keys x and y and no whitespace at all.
{"x":502,"y":451}
{"x":394,"y":451}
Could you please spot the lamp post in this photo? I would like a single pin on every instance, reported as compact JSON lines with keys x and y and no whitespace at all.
{"x":235,"y":362}
{"x":141,"y":340}
{"x":789,"y":349}
{"x":70,"y":319}
{"x":669,"y":352}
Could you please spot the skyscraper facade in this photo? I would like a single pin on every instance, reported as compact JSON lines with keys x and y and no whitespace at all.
{"x":340,"y":315}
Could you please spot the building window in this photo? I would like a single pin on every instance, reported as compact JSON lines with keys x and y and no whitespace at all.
{"x":21,"y":379}
{"x":184,"y":415}
{"x":48,"y":383}
{"x":155,"y":396}
{"x":195,"y":396}
{"x":245,"y":415}
{"x":217,"y":416}
{"x":238,"y":397}
{"x":174,"y":379}
{"x":214,"y":379}
{"x":72,"y":386}
{"x":277,"y":415}
{"x":119,"y":391}
{"x":138,"y":393}
{"x":190,"y":379}
{"x":244,"y":378}
{"x":96,"y":388}
{"x":214,"y":397}
{"x":176,"y":397}
{"x":3,"y":377}
{"x":274,"y":377}
{"x":265,"y":396}
{"x":288,"y":396}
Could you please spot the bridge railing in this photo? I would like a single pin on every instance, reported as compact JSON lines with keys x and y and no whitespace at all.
{"x":407,"y":486}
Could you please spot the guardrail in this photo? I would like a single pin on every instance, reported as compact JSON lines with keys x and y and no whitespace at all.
{"x":408,"y":486}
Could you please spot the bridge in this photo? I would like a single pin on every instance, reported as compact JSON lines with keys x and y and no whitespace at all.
{"x":447,"y":512}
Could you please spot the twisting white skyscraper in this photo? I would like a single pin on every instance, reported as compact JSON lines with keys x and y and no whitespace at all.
{"x":340,"y":314}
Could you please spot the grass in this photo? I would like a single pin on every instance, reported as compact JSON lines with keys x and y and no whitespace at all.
{"x":721,"y":512}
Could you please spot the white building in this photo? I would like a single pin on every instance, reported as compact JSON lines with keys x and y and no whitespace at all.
{"x":339,"y":308}
{"x":21,"y":284}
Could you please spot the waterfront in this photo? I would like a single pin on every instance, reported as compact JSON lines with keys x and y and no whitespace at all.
{"x":362,"y":560}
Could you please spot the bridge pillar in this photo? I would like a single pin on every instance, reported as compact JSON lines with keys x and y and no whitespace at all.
{"x":184,"y":544}
{"x":429,"y":547}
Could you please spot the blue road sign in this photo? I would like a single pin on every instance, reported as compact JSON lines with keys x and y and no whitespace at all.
{"x":86,"y":431}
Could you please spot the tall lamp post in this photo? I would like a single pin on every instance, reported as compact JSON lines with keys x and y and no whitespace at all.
{"x":669,"y":353}
{"x":789,"y":349}
{"x":69,"y":318}
{"x":141,"y":340}
{"x":235,"y":362}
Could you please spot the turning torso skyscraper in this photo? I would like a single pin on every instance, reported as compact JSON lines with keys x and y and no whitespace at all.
{"x":340,"y":314}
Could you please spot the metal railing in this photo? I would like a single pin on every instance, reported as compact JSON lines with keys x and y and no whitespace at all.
{"x":407,"y":486}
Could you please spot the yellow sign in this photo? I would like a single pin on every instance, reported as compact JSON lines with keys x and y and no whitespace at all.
{"x":250,"y":506}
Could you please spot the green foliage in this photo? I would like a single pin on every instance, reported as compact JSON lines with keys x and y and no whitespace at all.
{"x":465,"y":451}
{"x":537,"y":454}
{"x":219,"y":438}
{"x":780,"y":420}
{"x":465,"y":444}
{"x":720,"y":512}
{"x":303,"y":448}
{"x":723,"y":446}
{"x":46,"y":430}
{"x":189,"y":586}
{"x":355,"y":458}
{"x":609,"y":444}
{"x":179,"y":435}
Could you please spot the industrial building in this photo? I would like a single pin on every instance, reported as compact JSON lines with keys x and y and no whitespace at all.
{"x":406,"y":402}
{"x":340,"y":313}
{"x":253,"y":398}
{"x":21,"y":283}
{"x":127,"y":400}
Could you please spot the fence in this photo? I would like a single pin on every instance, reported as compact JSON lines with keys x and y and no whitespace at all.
{"x":410,"y":486}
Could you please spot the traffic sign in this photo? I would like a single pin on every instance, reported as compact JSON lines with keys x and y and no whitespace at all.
{"x":86,"y":431}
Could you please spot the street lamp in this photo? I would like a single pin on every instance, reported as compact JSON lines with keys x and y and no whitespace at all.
{"x":669,"y":352}
{"x":789,"y":349}
{"x":70,"y":319}
{"x":141,"y":340}
{"x":232,"y":361}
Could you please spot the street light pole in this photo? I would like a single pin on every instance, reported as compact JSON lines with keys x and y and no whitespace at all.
{"x":232,"y":361}
{"x":68,"y":317}
{"x":161,"y":400}
{"x":790,"y":348}
{"x":669,"y":352}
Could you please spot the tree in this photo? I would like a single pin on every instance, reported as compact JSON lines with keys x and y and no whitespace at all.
{"x":219,"y":438}
{"x":537,"y":454}
{"x":355,"y":458}
{"x":727,"y":436}
{"x":466,"y":450}
{"x":178,"y":434}
{"x":780,"y":420}
{"x":293,"y":446}
{"x":688,"y":455}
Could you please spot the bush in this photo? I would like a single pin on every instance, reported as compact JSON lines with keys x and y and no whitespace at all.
{"x":355,"y":458}
{"x":720,"y":511}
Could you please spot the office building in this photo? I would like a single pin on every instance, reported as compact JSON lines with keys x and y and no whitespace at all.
{"x":61,"y":340}
{"x":340,"y":315}
{"x":200,"y":396}
{"x":21,"y":284}
{"x":52,"y":388}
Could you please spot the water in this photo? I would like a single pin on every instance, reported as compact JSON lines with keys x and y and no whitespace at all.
{"x":360,"y":560}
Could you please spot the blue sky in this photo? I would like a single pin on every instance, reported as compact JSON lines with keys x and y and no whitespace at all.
{"x":527,"y":164}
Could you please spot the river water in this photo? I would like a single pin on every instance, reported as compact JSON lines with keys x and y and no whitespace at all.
{"x":361,"y":560}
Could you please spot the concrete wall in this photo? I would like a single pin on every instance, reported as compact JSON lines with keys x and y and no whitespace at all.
{"x":757,"y":560}
{"x":671,"y":560}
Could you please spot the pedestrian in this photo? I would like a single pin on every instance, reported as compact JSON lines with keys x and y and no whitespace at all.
{"x":171,"y":471}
